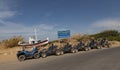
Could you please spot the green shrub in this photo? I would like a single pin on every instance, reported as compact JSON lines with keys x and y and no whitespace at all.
{"x":109,"y":34}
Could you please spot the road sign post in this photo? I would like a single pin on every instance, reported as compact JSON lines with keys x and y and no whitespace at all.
{"x":63,"y":34}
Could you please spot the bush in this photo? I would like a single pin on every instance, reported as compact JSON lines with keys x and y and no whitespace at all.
{"x":109,"y":34}
{"x":12,"y":42}
{"x":84,"y":37}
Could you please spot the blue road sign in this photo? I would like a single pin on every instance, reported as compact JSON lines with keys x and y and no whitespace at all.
{"x":64,"y":34}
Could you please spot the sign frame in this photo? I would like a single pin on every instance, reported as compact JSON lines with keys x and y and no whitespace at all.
{"x":64,"y":34}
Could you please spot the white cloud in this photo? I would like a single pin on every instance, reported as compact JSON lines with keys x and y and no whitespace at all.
{"x":4,"y":5}
{"x":10,"y":27}
{"x":6,"y":9}
{"x":46,"y":27}
{"x":8,"y":4}
{"x":7,"y":14}
{"x":106,"y":24}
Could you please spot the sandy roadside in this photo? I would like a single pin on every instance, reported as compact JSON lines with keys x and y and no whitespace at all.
{"x":7,"y":58}
{"x":9,"y":55}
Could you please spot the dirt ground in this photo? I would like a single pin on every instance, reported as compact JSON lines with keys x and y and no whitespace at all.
{"x":9,"y":55}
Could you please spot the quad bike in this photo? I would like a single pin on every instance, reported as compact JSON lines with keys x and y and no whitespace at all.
{"x":105,"y":43}
{"x":50,"y":51}
{"x":94,"y":45}
{"x":24,"y":54}
{"x":69,"y":49}
{"x":82,"y":46}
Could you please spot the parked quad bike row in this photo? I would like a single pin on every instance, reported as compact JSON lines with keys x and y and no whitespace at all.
{"x":55,"y":50}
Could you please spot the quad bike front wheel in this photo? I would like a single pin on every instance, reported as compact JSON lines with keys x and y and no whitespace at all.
{"x":86,"y":49}
{"x":72,"y":50}
{"x":61,"y":52}
{"x":98,"y":47}
{"x":57,"y":53}
{"x":43,"y":55}
{"x":108,"y":46}
{"x":89,"y":48}
{"x":36,"y":55}
{"x":21,"y":58}
{"x":76,"y":50}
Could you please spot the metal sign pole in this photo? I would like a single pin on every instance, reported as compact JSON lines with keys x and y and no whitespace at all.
{"x":69,"y":39}
{"x":59,"y":43}
{"x":63,"y":34}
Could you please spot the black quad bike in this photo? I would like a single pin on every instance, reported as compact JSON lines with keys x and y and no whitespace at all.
{"x":69,"y":49}
{"x":52,"y":50}
{"x":82,"y":46}
{"x":94,"y":45}
{"x":105,"y":43}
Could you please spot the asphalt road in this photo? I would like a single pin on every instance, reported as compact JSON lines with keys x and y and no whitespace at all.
{"x":105,"y":59}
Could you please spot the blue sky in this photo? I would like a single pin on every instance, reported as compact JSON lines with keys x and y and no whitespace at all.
{"x":20,"y":17}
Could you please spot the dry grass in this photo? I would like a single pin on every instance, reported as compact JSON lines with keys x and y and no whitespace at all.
{"x":114,"y":43}
{"x":10,"y":43}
